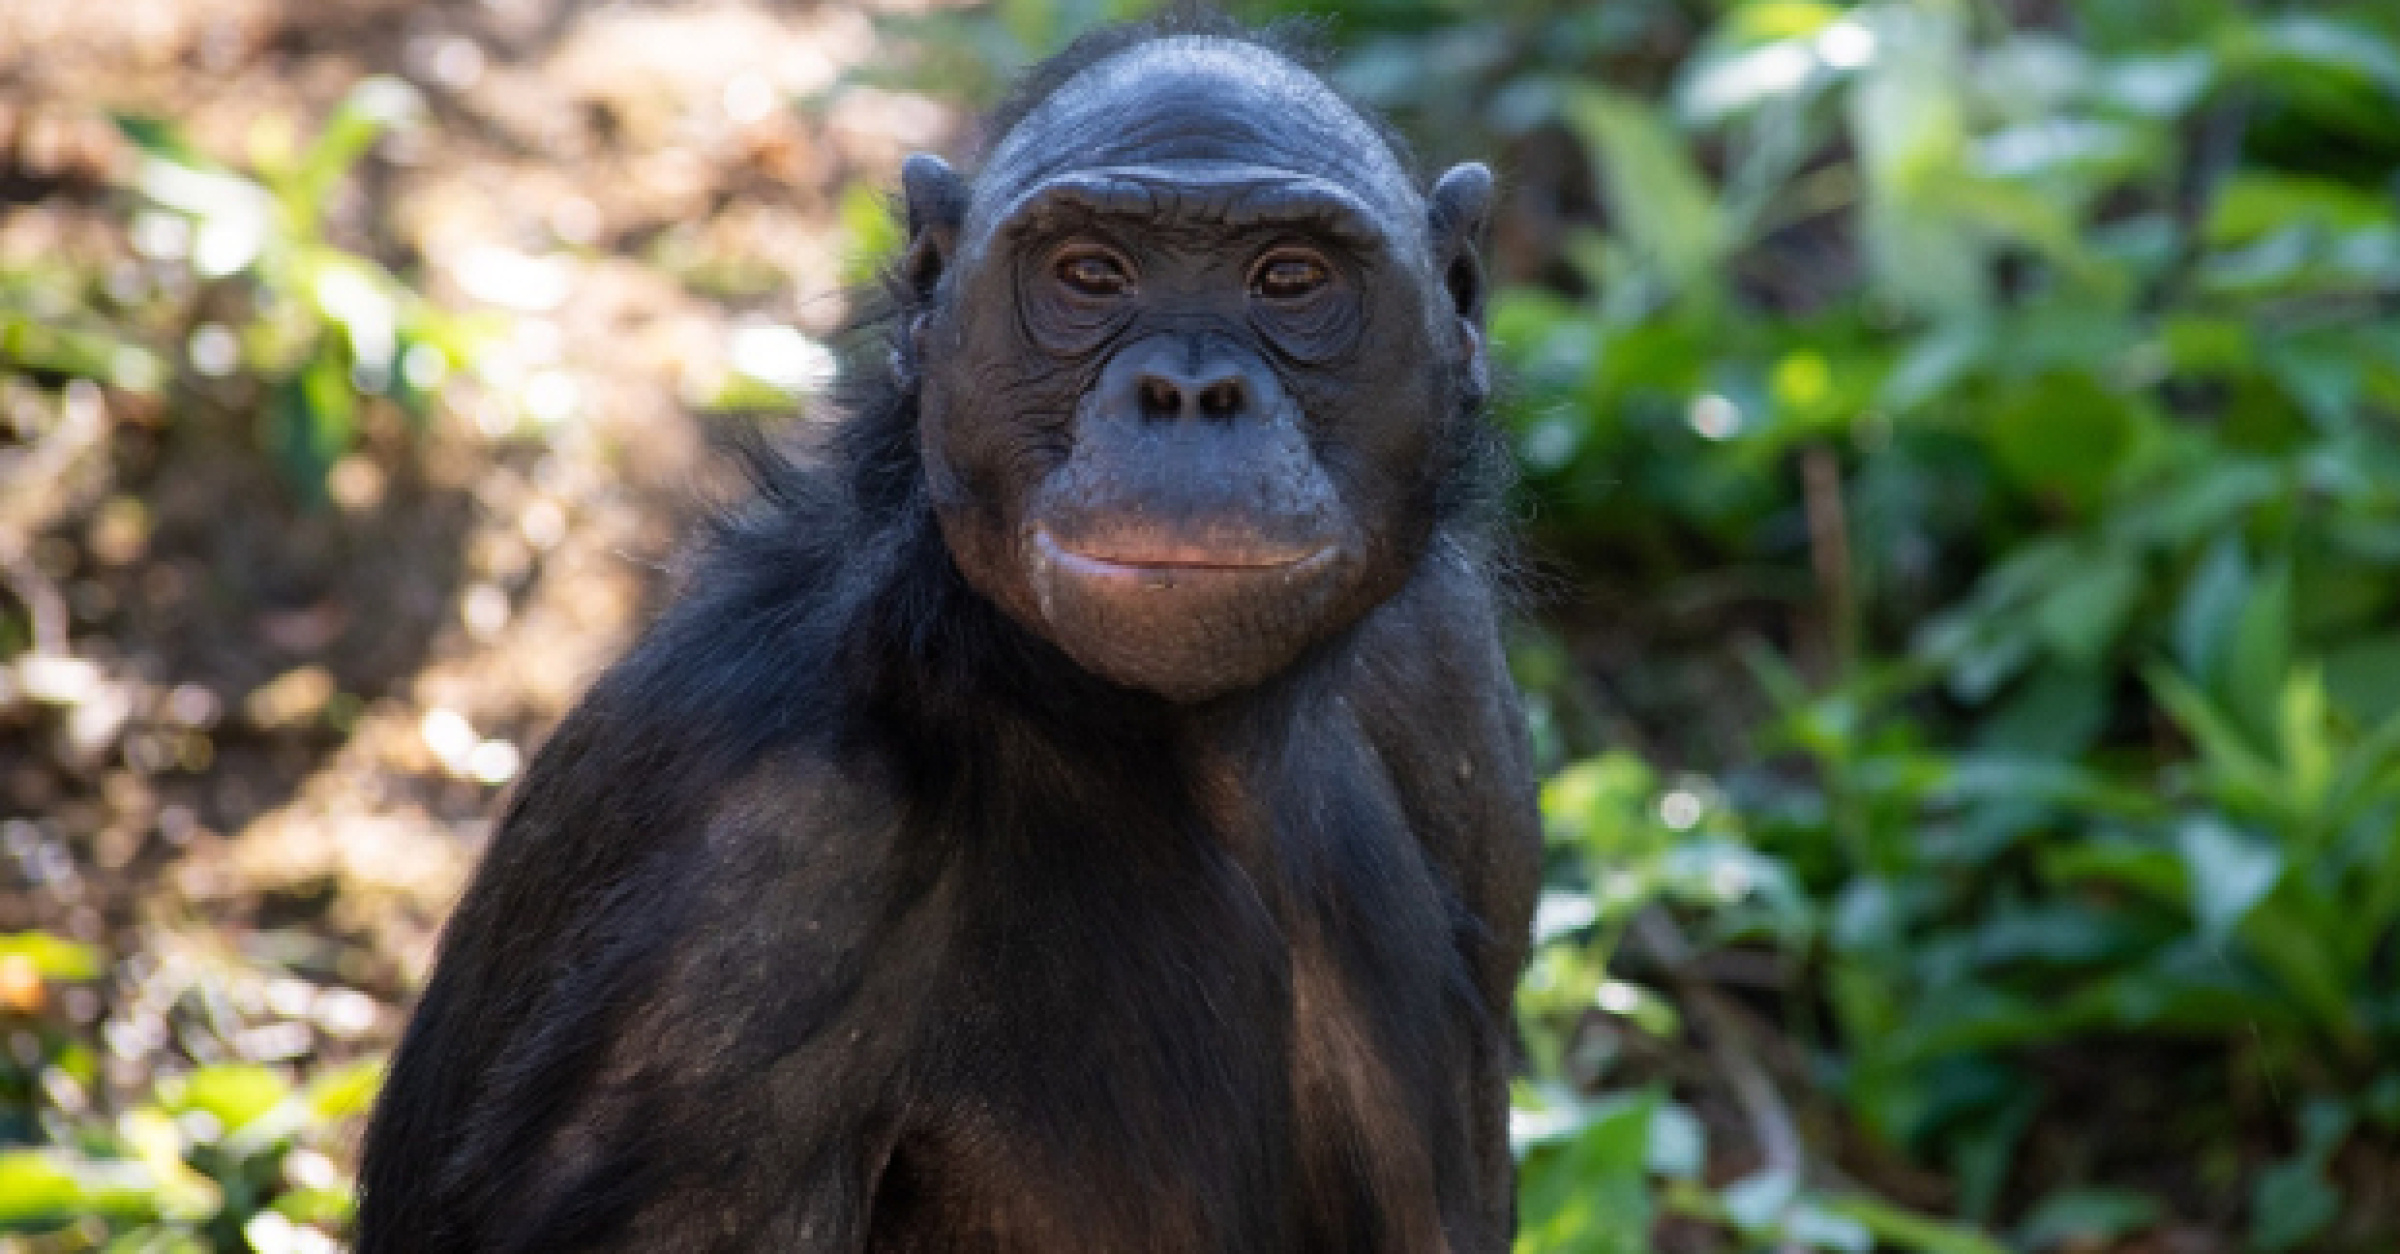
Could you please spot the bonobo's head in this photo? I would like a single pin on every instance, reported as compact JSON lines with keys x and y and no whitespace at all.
{"x":1194,"y":357}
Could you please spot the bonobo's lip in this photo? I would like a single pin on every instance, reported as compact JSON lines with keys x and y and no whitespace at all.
{"x":1153,"y":559}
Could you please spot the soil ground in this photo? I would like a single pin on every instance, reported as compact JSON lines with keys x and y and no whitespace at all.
{"x":266,"y":745}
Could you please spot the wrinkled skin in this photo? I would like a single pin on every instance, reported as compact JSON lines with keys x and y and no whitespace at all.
{"x":1088,"y":812}
{"x":1183,"y":406}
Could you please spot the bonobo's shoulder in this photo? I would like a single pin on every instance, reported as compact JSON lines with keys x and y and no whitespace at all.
{"x":765,"y":605}
{"x":743,"y":662}
{"x":696,"y":757}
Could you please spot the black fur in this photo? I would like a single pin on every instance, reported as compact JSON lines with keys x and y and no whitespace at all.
{"x":848,"y":913}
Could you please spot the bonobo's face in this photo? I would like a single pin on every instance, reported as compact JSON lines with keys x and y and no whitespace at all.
{"x":1192,"y":354}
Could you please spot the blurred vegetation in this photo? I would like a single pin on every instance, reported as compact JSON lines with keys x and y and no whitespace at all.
{"x":1959,"y":442}
{"x":299,"y":329}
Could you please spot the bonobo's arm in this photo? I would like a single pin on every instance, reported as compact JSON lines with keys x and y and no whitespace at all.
{"x":652,"y":1026}
{"x":1435,"y":697}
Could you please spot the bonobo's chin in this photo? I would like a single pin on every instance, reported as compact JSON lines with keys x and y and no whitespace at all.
{"x":1186,"y":622}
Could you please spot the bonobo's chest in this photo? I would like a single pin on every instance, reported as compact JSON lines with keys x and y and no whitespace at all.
{"x":1230,"y":1027}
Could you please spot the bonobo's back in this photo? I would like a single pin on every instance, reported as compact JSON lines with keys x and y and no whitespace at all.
{"x":1088,"y":808}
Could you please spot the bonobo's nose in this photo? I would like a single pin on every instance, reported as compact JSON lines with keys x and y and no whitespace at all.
{"x":1170,"y":394}
{"x":1165,"y":381}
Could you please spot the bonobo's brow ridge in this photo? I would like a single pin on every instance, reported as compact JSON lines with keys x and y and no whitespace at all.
{"x":1195,"y":194}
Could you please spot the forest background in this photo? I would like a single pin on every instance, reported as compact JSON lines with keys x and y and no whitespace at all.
{"x":1961,"y":485}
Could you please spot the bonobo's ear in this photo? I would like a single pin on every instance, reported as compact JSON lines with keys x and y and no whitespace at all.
{"x":937,"y":203}
{"x":1456,"y":211}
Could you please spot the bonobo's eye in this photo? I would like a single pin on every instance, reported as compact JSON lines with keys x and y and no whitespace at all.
{"x":1074,"y":293}
{"x":1288,"y":274}
{"x":1309,"y":304}
{"x":1093,"y":272}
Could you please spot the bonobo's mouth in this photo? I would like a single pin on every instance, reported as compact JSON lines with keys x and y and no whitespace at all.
{"x":1155,"y":560}
{"x":1186,"y":615}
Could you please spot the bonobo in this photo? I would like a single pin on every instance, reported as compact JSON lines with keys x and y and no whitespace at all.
{"x":1081,"y":808}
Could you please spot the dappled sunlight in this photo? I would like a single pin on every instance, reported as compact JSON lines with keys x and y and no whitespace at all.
{"x":372,"y":451}
{"x":1960,"y":502}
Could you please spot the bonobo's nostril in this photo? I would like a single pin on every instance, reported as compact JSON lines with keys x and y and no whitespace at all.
{"x":1224,"y":398}
{"x":1166,"y":397}
{"x":1161,"y":398}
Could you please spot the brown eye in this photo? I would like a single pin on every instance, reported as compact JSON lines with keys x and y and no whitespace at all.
{"x":1094,"y":274}
{"x":1289,"y":276}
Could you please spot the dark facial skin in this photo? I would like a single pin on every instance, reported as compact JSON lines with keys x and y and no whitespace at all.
{"x":1158,"y":413}
{"x":1083,"y":809}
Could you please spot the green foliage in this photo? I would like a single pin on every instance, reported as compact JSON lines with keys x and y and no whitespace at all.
{"x":321,"y":328}
{"x":1598,"y":1170}
{"x":218,"y":1156}
{"x":2025,"y":377}
{"x":49,"y":326}
{"x":324,"y":327}
{"x":2097,"y":337}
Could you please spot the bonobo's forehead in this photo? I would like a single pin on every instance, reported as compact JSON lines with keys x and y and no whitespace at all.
{"x":1197,"y":127}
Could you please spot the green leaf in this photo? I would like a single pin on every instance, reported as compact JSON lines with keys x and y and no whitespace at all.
{"x":41,"y":1188}
{"x":2322,"y":378}
{"x":2305,"y":739}
{"x":2162,"y":86}
{"x":235,"y":1093}
{"x":2006,"y":211}
{"x":873,"y":234}
{"x":2083,"y":1218}
{"x":2312,"y":44}
{"x":2255,"y":204}
{"x":177,"y":1189}
{"x":1908,"y":122}
{"x":157,"y":137}
{"x":1935,"y":363}
{"x":2144,"y":868}
{"x":2301,"y":947}
{"x":1906,"y":1229}
{"x":2190,"y":990}
{"x":55,"y":957}
{"x":1592,"y":1194}
{"x":36,"y":1187}
{"x":2228,"y":873}
{"x":377,"y":104}
{"x":2212,"y":603}
{"x":2206,"y":344}
{"x":47,"y":343}
{"x":2062,"y":433}
{"x":345,"y":1092}
{"x":1810,"y":1224}
{"x":2058,"y":712}
{"x":2231,"y":755}
{"x":2260,"y":655}
{"x":2086,"y":612}
{"x":2291,"y":1203}
{"x":1656,"y":195}
{"x":313,"y":417}
{"x":2195,"y":505}
{"x":2363,"y":677}
{"x":1772,"y":21}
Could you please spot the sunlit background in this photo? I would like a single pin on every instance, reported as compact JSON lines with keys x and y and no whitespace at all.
{"x":1962,"y":617}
